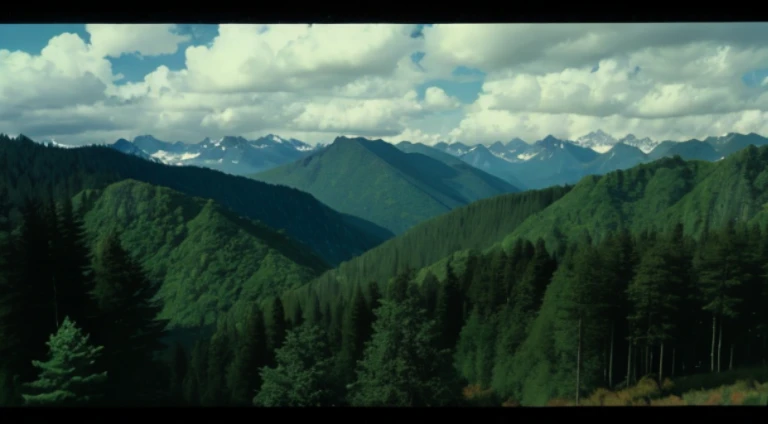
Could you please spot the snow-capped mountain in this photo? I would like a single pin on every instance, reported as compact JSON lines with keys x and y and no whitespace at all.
{"x":644,"y":144}
{"x":598,"y":141}
{"x":230,"y":154}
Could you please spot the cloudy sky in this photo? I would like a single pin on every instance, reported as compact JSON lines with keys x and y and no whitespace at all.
{"x":473,"y":83}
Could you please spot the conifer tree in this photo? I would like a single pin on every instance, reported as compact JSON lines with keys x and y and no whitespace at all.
{"x":131,"y":331}
{"x":721,"y":271}
{"x":403,"y":365}
{"x":71,"y":375}
{"x":654,"y":296}
{"x":250,"y":357}
{"x":303,"y":367}
{"x":73,"y":258}
{"x":429,"y":289}
{"x":276,"y":328}
{"x":219,"y":357}
{"x":448,"y":310}
{"x":356,"y":330}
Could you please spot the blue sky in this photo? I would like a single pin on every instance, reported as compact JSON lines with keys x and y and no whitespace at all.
{"x":473,"y":83}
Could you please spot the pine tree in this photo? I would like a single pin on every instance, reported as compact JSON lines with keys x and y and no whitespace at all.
{"x":131,"y":331}
{"x":250,"y":357}
{"x":653,"y":294}
{"x":429,"y":288}
{"x":70,"y":376}
{"x":356,"y":330}
{"x":73,"y":265}
{"x":721,"y":271}
{"x":219,"y":356}
{"x":304,"y":365}
{"x":276,"y":327}
{"x":30,"y":314}
{"x":403,"y":365}
{"x":449,"y":309}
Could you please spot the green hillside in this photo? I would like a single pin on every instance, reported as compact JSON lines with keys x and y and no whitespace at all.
{"x":28,"y":168}
{"x":206,"y":257}
{"x":657,"y":195}
{"x":475,"y":226}
{"x":378,"y":182}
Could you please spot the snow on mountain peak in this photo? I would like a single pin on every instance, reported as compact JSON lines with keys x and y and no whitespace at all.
{"x":598,"y":141}
{"x":644,"y":144}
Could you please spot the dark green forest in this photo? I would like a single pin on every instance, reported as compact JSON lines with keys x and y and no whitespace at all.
{"x":528,"y":298}
{"x":30,"y":168}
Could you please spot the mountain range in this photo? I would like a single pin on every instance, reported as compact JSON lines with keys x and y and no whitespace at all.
{"x":230,"y":154}
{"x":550,"y":161}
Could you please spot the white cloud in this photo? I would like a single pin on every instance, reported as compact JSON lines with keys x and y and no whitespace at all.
{"x":436,"y":98}
{"x":115,"y":40}
{"x":671,"y":81}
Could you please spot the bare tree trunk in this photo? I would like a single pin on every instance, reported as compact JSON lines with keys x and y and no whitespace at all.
{"x":610,"y":357}
{"x":629,"y":362}
{"x":712,"y":351}
{"x":720,"y":346}
{"x":578,"y":366}
{"x":661,"y":363}
{"x":730,"y":363}
{"x":674,"y":350}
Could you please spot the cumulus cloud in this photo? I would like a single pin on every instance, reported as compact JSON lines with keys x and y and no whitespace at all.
{"x":115,"y":40}
{"x":436,"y":98}
{"x":667,"y":81}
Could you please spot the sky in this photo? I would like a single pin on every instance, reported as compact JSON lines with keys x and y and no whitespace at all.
{"x":475,"y":83}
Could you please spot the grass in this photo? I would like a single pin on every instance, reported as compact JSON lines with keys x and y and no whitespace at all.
{"x":740,"y":387}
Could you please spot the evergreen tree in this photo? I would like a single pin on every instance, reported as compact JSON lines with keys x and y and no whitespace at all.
{"x":448,"y":310}
{"x":402,"y":365}
{"x":70,"y":376}
{"x":130,"y":332}
{"x":277,"y":327}
{"x":429,"y":289}
{"x":250,"y":357}
{"x":653,"y":294}
{"x":304,"y":365}
{"x":73,"y":265}
{"x":356,"y":330}
{"x":219,"y":357}
{"x":721,"y":271}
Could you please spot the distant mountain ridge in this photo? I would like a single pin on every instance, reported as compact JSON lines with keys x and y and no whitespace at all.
{"x":231,"y":154}
{"x":552,"y":161}
{"x":391,"y":187}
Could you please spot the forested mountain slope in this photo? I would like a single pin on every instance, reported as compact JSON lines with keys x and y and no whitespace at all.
{"x":657,"y":195}
{"x":475,"y":226}
{"x":205,"y":257}
{"x":27,"y":167}
{"x":380,"y":183}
